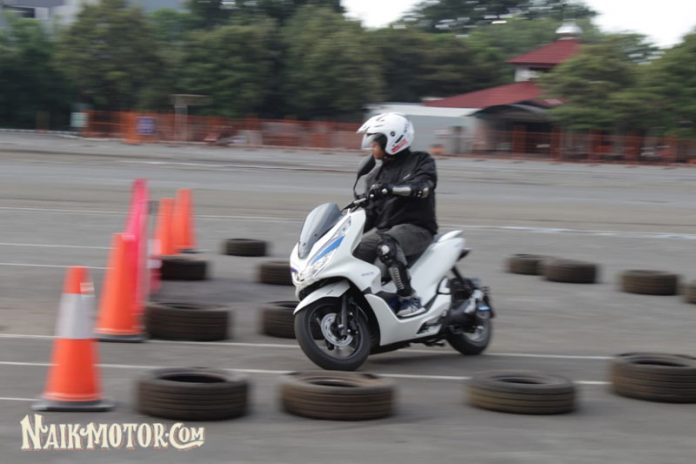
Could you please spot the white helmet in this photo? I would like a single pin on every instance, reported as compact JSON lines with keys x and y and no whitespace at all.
{"x":394,"y":126}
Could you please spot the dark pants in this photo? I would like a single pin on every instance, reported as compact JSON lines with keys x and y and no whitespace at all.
{"x":412,"y":241}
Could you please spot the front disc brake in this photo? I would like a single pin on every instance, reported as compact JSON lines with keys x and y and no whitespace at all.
{"x":328,"y":322}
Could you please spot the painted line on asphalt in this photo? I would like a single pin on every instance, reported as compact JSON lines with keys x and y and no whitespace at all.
{"x":479,"y":227}
{"x":549,"y":356}
{"x":47,"y":245}
{"x":285,"y":346}
{"x":50,"y":266}
{"x":10,"y":398}
{"x":58,"y":210}
{"x":123,"y":213}
{"x":283,"y":372}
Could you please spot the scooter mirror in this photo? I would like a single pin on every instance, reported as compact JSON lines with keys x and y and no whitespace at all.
{"x":366,"y":165}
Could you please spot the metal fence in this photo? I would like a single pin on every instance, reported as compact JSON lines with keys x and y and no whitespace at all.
{"x":155,"y":127}
{"x":593,"y":147}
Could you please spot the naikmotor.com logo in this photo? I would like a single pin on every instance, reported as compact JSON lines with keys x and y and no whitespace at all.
{"x":39,"y":436}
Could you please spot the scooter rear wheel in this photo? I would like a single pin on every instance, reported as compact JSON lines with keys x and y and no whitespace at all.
{"x":474,"y":341}
{"x":333,"y":351}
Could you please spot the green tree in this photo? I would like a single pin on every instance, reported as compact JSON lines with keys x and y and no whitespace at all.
{"x":207,"y":13}
{"x":231,"y":64}
{"x":517,"y":36}
{"x":453,"y":67}
{"x":111,"y":56}
{"x":30,"y":83}
{"x":171,"y":30}
{"x":591,"y":85}
{"x":330,"y":68}
{"x":279,"y":10}
{"x":403,"y":55}
{"x":465,"y":15}
{"x":637,"y":47}
{"x":670,"y":83}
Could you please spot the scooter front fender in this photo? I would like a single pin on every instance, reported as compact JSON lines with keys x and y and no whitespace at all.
{"x":333,"y":290}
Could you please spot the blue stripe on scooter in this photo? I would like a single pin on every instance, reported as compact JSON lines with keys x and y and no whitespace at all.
{"x":329,"y":248}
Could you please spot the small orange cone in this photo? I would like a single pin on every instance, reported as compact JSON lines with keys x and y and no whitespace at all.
{"x":118,"y":314}
{"x":73,"y":379}
{"x":165,"y":222}
{"x":184,"y":234}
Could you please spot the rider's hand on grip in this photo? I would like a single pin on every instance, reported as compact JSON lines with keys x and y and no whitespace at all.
{"x":380,"y":190}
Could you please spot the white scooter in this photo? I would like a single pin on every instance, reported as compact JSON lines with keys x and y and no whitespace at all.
{"x":344,"y":313}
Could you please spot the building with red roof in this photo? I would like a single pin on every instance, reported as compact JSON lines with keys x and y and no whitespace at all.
{"x":521,"y":105}
{"x":483,"y":116}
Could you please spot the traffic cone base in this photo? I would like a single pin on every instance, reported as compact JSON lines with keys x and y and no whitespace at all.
{"x":117,"y":338}
{"x":74,"y":406}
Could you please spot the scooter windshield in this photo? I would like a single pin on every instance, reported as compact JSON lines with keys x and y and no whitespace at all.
{"x":318,"y":222}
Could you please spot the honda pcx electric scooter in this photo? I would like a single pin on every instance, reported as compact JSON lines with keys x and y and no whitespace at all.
{"x":345,"y":310}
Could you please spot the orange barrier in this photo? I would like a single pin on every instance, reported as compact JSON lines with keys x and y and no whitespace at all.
{"x":73,"y":382}
{"x":521,"y":141}
{"x":135,"y":128}
{"x":184,"y":233}
{"x":119,"y":320}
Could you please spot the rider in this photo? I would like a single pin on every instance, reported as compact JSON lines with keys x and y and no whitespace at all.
{"x":401,"y":218}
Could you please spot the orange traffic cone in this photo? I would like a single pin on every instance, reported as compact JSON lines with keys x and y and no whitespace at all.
{"x":118,"y":314}
{"x":184,"y":235}
{"x":164,"y":235}
{"x":73,"y":379}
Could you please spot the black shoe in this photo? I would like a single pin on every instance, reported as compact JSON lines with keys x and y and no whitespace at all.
{"x":410,"y":306}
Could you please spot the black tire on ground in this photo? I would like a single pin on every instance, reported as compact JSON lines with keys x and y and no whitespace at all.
{"x":183,"y":268}
{"x":647,"y":282}
{"x":690,"y":292}
{"x":277,"y":319}
{"x":185,"y":321}
{"x":662,"y":377}
{"x":275,"y":273}
{"x":192,"y":394}
{"x":570,"y":271}
{"x":526,"y":264}
{"x":522,"y":392}
{"x":244,"y":247}
{"x":337,"y":395}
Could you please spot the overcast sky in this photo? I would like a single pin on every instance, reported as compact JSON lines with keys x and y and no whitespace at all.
{"x":664,"y":21}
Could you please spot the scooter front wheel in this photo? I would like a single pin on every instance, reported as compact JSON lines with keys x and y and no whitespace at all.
{"x":318,"y":331}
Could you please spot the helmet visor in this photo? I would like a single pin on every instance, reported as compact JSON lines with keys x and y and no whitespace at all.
{"x":369,"y":139}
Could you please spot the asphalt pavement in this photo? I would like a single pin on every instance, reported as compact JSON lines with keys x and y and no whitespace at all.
{"x":62,"y":198}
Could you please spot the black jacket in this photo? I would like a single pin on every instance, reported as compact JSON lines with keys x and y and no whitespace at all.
{"x":412,"y":168}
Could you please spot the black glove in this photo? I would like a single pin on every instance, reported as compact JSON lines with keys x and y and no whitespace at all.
{"x":380,"y":190}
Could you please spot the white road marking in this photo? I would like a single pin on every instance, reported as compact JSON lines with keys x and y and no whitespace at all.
{"x":27,"y":336}
{"x":124,"y":213}
{"x":285,"y":346}
{"x":9,"y":398}
{"x":51,"y":266}
{"x":283,"y":372}
{"x":549,"y":356}
{"x":58,"y":210}
{"x":482,"y":227}
{"x":48,"y":245}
